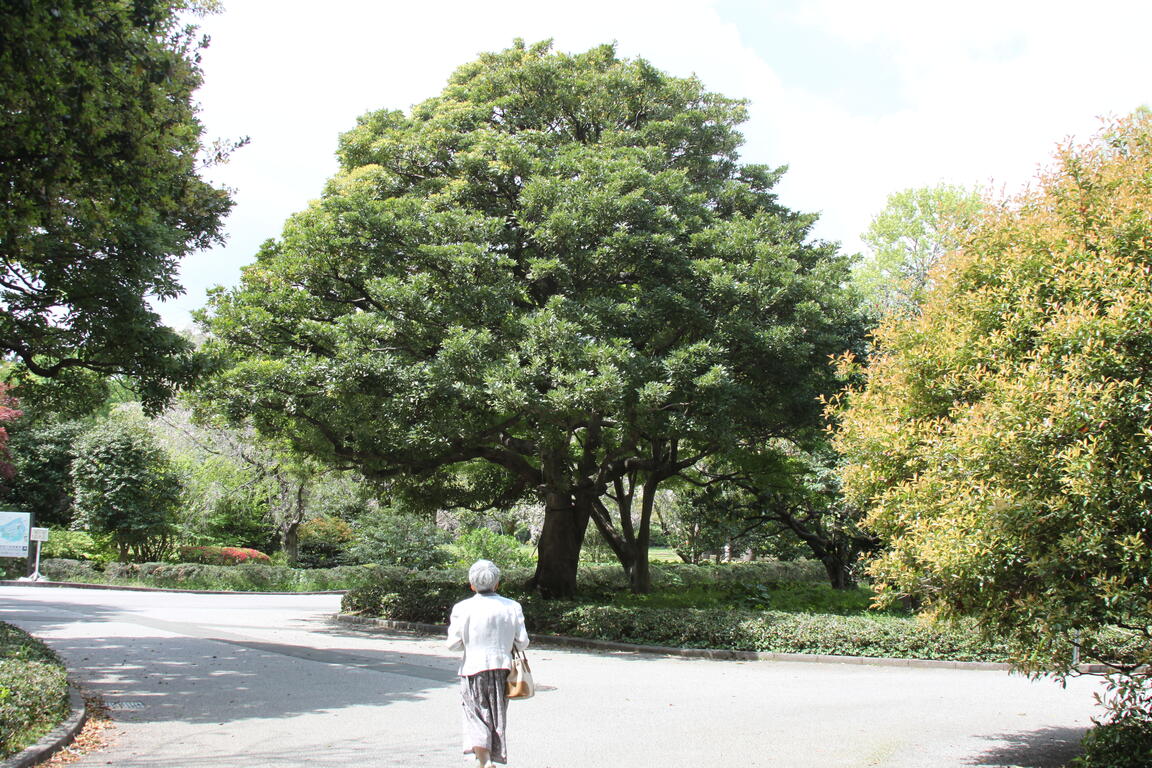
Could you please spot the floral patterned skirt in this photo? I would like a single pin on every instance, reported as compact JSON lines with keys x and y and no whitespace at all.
{"x":485,"y":704}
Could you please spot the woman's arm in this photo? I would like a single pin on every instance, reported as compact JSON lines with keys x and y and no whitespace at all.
{"x":521,"y":640}
{"x":456,"y":624}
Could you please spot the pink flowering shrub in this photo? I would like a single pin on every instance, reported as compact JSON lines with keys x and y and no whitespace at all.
{"x":8,"y":413}
{"x":222,"y":555}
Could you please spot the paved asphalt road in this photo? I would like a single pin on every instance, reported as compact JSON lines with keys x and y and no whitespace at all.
{"x":270,"y":680}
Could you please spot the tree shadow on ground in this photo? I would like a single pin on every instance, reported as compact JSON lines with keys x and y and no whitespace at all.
{"x":147,"y":673}
{"x":1044,"y":748}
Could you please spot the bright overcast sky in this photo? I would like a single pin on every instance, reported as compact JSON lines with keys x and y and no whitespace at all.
{"x":859,"y":99}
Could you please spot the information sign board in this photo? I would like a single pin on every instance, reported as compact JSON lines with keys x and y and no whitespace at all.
{"x":38,"y":534}
{"x":14,"y":533}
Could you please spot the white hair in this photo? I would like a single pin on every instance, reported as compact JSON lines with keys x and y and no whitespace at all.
{"x":484,"y":576}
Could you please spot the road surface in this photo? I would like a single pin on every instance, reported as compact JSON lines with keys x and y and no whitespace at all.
{"x":270,"y":680}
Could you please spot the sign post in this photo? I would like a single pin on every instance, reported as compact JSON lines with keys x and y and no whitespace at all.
{"x":38,"y":535}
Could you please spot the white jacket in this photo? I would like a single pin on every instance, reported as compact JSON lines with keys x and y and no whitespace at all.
{"x":486,"y":627}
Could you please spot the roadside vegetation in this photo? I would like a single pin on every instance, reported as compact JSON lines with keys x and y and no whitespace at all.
{"x":549,"y":317}
{"x":33,"y":690}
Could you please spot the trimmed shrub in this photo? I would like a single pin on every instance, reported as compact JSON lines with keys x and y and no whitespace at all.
{"x":222,"y":555}
{"x":325,"y":543}
{"x":245,"y":577}
{"x":428,"y":596}
{"x":67,"y":569}
{"x":33,"y":689}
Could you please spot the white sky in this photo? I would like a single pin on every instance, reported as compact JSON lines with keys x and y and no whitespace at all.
{"x":859,"y":99}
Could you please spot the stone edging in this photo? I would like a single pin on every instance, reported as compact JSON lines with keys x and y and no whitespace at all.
{"x":691,"y":653}
{"x":56,"y":739}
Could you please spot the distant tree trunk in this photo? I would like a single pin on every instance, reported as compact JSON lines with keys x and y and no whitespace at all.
{"x":293,"y":495}
{"x":632,"y":541}
{"x":836,"y":553}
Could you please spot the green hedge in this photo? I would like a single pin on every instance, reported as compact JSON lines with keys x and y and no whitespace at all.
{"x":428,"y":597}
{"x":596,"y":582}
{"x":33,"y":690}
{"x":246,"y":577}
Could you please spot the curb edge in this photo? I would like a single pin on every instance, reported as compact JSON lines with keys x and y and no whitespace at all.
{"x":56,"y":739}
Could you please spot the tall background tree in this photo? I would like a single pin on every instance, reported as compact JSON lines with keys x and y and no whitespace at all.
{"x":100,"y":192}
{"x":1001,"y":443}
{"x":908,"y":238}
{"x":553,"y":281}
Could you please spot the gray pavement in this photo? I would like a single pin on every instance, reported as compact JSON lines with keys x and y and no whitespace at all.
{"x":270,"y":680}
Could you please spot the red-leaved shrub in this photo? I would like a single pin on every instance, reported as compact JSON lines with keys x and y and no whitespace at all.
{"x":222,"y":555}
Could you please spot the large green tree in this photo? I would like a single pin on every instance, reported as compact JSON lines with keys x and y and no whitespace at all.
{"x":1002,"y":440}
{"x":100,"y":192}
{"x":554,"y":280}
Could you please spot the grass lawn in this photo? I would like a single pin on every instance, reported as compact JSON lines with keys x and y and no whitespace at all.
{"x":663,"y":555}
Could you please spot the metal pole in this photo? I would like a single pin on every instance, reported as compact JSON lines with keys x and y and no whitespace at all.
{"x":36,"y":570}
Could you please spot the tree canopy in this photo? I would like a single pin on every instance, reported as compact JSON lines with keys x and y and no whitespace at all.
{"x":100,"y":193}
{"x":1002,"y":441}
{"x":554,"y":280}
{"x":908,"y":239}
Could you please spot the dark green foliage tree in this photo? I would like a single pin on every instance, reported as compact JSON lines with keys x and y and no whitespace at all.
{"x":780,"y":496}
{"x":41,"y":482}
{"x":552,"y":281}
{"x":100,"y":193}
{"x":125,"y":486}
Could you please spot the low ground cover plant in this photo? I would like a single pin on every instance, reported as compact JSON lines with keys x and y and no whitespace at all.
{"x":33,"y":689}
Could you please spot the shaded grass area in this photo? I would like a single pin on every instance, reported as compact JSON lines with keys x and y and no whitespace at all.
{"x":33,"y":690}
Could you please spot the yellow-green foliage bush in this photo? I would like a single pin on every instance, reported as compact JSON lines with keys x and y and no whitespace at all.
{"x":1002,"y":442}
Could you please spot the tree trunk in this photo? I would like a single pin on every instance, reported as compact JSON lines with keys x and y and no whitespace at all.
{"x":559,"y":548}
{"x":290,"y":542}
{"x":640,"y":575}
{"x":838,"y":571}
{"x":293,"y":500}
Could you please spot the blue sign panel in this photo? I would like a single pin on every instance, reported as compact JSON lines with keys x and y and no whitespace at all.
{"x":14,"y":528}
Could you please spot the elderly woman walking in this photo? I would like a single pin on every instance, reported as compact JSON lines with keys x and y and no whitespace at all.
{"x":486,"y":626}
